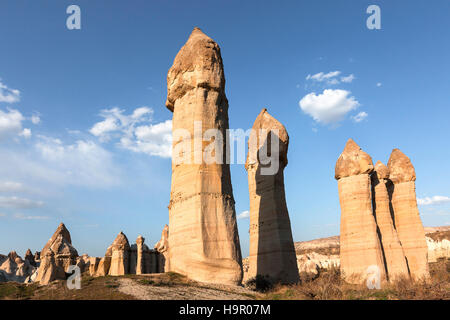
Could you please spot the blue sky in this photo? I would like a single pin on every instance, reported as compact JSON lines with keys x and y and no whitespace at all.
{"x":384,"y":88}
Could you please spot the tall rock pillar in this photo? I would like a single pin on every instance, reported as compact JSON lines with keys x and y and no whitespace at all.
{"x":204,"y":240}
{"x":406,"y":214}
{"x":360,"y":245}
{"x":120,"y":252}
{"x":392,"y":249}
{"x":272,"y":251}
{"x":140,"y":255}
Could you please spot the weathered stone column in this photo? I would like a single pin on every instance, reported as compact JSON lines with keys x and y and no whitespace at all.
{"x":162,"y":252}
{"x":204,"y":241}
{"x":360,"y":245}
{"x":393,"y":252}
{"x":406,"y":214}
{"x":272,"y":251}
{"x":120,"y":256}
{"x":140,"y":255}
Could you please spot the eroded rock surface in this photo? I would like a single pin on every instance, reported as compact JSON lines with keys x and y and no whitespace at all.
{"x":393,"y":252}
{"x":204,"y":241}
{"x":406,"y":214}
{"x":360,"y":244}
{"x":272,"y":251}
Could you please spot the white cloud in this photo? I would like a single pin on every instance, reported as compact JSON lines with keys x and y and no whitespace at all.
{"x":132,"y":132}
{"x":10,"y":186}
{"x":432,"y":200}
{"x":10,"y":123}
{"x":8,"y":95}
{"x":35,"y":119}
{"x":348,"y":78}
{"x":82,"y":163}
{"x":26,"y":133}
{"x":329,"y":107}
{"x":21,"y":203}
{"x":244,"y":215}
{"x":360,"y":116}
{"x":321,"y":76}
{"x":379,"y":84}
{"x":155,"y":139}
{"x":331,"y":78}
{"x":21,"y":216}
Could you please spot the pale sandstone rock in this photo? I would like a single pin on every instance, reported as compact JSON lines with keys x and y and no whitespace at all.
{"x":103,"y":266}
{"x":93,"y":265}
{"x":49,"y":271}
{"x":360,"y":245}
{"x":204,"y":241}
{"x":162,"y":246}
{"x":61,"y":245}
{"x":120,"y":256}
{"x":393,"y":252}
{"x":272,"y":251}
{"x":406,"y":214}
{"x":438,"y":249}
{"x":14,"y":268}
{"x":140,"y":267}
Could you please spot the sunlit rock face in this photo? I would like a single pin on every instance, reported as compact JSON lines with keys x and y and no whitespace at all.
{"x":204,"y":241}
{"x":392,"y":249}
{"x":272,"y":251}
{"x":406,"y":214}
{"x":360,"y":245}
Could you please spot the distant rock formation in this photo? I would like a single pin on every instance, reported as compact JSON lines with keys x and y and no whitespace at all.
{"x":56,"y":257}
{"x":162,"y":246}
{"x":360,"y":245}
{"x":272,"y":251}
{"x":49,"y":270}
{"x":392,"y":249}
{"x":61,"y":245}
{"x":120,"y":257}
{"x":30,"y":258}
{"x":14,"y":268}
{"x":407,"y":219}
{"x":204,"y":240}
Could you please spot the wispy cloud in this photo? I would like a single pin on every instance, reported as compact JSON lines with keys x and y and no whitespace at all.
{"x":21,"y":216}
{"x":11,"y":124}
{"x":135,"y":131}
{"x":432,"y":200}
{"x":244,"y":215}
{"x":360,"y":116}
{"x":19,"y":203}
{"x":7,"y":94}
{"x":348,"y":78}
{"x":330,"y":78}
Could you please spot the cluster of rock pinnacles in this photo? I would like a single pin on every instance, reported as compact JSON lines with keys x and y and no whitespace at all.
{"x":203,"y":238}
{"x":380,"y":222}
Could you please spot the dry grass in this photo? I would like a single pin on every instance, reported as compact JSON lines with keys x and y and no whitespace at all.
{"x":330,"y":286}
{"x":439,"y":236}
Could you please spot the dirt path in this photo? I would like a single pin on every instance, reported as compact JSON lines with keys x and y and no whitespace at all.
{"x":183,"y":292}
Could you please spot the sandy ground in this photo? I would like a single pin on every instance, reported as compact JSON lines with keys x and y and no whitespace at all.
{"x":182,"y":292}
